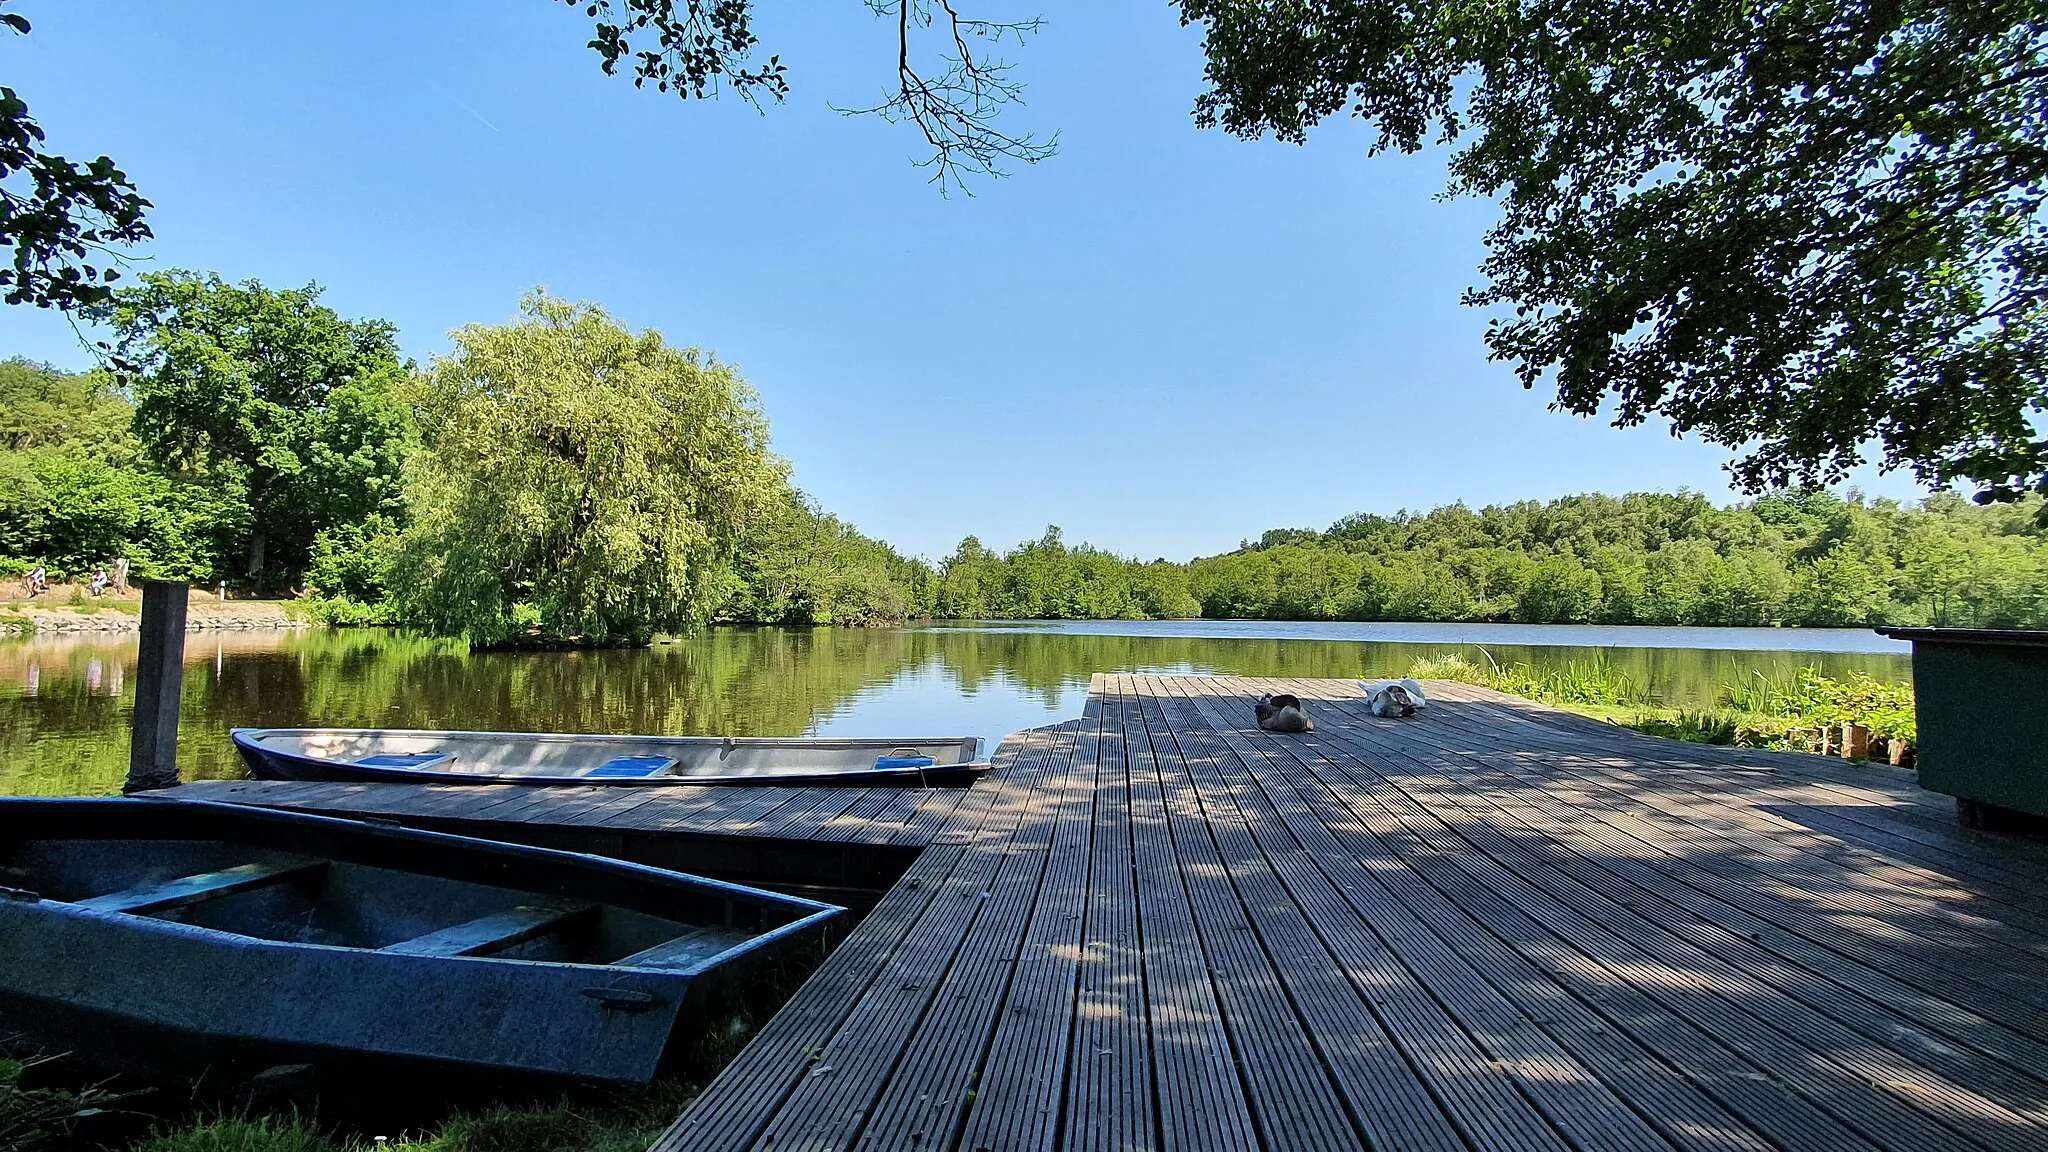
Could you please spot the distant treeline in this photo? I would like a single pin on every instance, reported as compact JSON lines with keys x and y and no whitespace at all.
{"x":561,"y":479}
{"x":1806,"y":558}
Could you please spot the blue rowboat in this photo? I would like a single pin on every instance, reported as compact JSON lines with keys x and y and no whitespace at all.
{"x":365,"y":755}
{"x":183,"y":934}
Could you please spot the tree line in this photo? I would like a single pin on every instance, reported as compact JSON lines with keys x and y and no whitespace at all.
{"x":1809,"y":558}
{"x":563,"y":479}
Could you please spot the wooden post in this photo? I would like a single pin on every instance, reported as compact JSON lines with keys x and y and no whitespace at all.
{"x":159,"y":680}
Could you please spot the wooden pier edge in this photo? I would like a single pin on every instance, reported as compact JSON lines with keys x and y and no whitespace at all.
{"x":1493,"y":927}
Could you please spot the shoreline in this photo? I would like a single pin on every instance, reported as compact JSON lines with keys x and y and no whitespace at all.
{"x":116,"y":616}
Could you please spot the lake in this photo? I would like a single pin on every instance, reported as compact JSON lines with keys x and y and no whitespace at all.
{"x":65,"y":701}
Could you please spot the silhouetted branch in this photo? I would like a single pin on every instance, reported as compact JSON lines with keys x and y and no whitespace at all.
{"x":701,"y":45}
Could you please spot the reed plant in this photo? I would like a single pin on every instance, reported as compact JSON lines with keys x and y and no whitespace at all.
{"x":1756,"y":712}
{"x":1593,"y":680}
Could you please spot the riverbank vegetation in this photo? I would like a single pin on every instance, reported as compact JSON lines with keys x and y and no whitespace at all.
{"x":563,"y":480}
{"x":1804,"y":713}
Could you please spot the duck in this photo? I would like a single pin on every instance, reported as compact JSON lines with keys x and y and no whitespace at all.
{"x":1280,"y":712}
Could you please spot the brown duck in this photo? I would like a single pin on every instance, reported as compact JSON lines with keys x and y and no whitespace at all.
{"x":1280,"y":712}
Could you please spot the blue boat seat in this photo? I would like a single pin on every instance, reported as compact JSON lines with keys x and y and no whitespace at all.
{"x":406,"y":760}
{"x":630,"y":767}
{"x":904,"y":762}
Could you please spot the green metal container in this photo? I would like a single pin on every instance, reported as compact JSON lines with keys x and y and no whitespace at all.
{"x":1982,"y":703}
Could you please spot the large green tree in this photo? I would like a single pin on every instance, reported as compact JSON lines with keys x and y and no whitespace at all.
{"x":579,"y":483}
{"x":271,"y":397}
{"x":1787,"y":226}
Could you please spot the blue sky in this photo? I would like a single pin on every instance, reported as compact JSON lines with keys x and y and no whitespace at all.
{"x":1162,"y":339}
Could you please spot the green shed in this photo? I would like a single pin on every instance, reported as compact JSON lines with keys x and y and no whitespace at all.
{"x":1982,"y":702}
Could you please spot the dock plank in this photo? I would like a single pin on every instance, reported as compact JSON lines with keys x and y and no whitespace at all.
{"x":1494,"y":927}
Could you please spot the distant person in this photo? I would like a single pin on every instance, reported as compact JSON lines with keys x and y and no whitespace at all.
{"x":38,"y":581}
{"x":100,"y":580}
{"x":121,"y":575}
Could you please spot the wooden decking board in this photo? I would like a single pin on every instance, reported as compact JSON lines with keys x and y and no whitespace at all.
{"x":1739,"y":935}
{"x":1477,"y":1047}
{"x":1911,"y":820}
{"x":1494,"y":927}
{"x":1764,"y":832}
{"x":1699,"y":865}
{"x":1200,"y":1096}
{"x":1573,"y":951}
{"x":802,"y":815}
{"x":936,"y":813}
{"x":698,"y":811}
{"x":1302,"y":1021}
{"x":1778,"y":1033}
{"x":740,"y":1103}
{"x":1440,"y":933}
{"x":1110,"y":1102}
{"x":870,"y":810}
{"x":1021,"y":1082}
{"x":1472,"y":1086}
{"x":1440,"y":857}
{"x":1849,"y":996}
{"x":1631,"y":820}
{"x":831,"y":1106}
{"x":743,"y":1098}
{"x":927,"y":1098}
{"x":1288,"y":1089}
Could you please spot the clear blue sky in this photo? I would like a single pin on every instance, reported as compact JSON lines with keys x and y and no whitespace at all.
{"x":1162,"y":339}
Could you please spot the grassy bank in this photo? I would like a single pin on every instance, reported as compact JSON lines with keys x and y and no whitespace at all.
{"x":1795,"y":715}
{"x":568,"y":1126}
{"x":44,"y":1119}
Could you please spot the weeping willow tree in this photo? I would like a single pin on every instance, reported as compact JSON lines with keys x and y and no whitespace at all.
{"x":581,"y":483}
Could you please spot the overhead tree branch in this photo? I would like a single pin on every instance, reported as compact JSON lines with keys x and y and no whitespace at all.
{"x":701,"y":47}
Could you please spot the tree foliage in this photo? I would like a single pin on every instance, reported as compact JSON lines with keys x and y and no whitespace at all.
{"x":77,"y":488}
{"x":797,"y":564}
{"x":1786,"y":226}
{"x":61,"y":219}
{"x":271,"y":396}
{"x":579,"y":482}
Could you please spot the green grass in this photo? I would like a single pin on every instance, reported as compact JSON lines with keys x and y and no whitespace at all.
{"x":244,"y":1134}
{"x":1579,"y":681}
{"x":1755,"y":713}
{"x":626,"y":1124}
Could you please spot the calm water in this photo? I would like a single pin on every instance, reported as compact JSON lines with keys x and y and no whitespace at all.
{"x":65,"y":701}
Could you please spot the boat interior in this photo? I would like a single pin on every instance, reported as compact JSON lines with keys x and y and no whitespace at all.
{"x":275,"y":895}
{"x":613,"y":757}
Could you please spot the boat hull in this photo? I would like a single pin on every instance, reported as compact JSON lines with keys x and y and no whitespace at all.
{"x":92,"y":979}
{"x":268,"y":761}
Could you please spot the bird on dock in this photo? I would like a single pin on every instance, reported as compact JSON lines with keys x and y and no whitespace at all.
{"x":1280,"y":712}
{"x":1394,"y":699}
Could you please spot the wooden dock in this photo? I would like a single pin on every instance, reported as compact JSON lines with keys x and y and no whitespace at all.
{"x":1492,"y":927}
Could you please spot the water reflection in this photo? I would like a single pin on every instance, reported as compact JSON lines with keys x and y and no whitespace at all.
{"x":65,"y":702}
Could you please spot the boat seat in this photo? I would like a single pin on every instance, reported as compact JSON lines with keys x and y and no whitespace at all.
{"x":627,"y":767}
{"x":685,"y":951}
{"x":900,"y":761}
{"x":168,"y":894}
{"x":495,"y":932}
{"x":406,"y":760}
